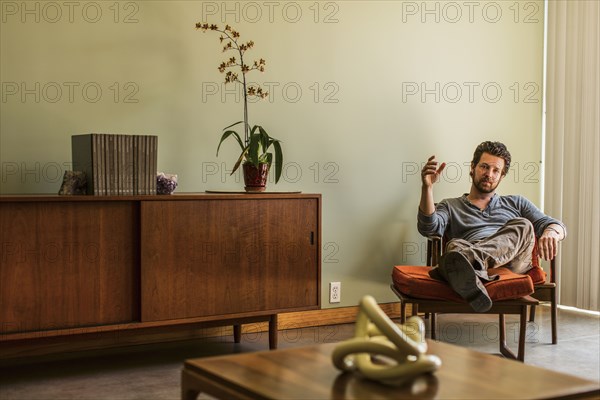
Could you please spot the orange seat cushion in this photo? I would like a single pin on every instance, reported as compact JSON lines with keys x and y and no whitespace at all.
{"x":537,"y":275}
{"x":415,"y":281}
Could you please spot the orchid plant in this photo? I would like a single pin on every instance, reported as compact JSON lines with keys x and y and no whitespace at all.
{"x":256,"y":141}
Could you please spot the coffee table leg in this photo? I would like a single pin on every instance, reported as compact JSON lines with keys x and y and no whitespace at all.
{"x":273,"y":332}
{"x":193,"y":383}
{"x":188,"y":389}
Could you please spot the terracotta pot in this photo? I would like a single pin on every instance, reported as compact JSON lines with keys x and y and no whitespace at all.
{"x":255,"y":177}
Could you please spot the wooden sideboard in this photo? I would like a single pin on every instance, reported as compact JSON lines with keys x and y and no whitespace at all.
{"x":86,"y":265}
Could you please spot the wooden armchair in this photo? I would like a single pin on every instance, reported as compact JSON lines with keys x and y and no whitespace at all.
{"x":544,"y":286}
{"x":511,"y":294}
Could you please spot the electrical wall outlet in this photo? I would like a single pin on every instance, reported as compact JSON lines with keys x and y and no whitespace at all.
{"x":335,"y":292}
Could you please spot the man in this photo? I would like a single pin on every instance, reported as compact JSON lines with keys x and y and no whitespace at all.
{"x":485,"y":230}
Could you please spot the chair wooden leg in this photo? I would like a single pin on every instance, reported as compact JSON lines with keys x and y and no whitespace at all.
{"x":531,"y":313}
{"x":504,"y":350}
{"x":433,"y":326}
{"x":415,"y":309}
{"x":502,"y":341}
{"x":402,"y":312}
{"x":554,"y":316}
{"x":522,"y":333}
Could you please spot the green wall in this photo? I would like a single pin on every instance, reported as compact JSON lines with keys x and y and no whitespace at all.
{"x":362,"y":92}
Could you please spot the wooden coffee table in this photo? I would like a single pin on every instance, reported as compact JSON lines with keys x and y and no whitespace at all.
{"x":308,"y":373}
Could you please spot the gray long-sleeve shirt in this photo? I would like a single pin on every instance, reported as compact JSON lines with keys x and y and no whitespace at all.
{"x":458,"y":218}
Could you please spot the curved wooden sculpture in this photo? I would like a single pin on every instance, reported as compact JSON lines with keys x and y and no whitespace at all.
{"x":384,"y":351}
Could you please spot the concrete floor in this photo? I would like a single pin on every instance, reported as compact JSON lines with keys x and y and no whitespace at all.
{"x":153,"y":371}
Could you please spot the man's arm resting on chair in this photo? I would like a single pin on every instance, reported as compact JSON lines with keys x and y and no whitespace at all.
{"x":548,"y":242}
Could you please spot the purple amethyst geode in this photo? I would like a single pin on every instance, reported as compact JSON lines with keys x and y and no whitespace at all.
{"x":165,"y":183}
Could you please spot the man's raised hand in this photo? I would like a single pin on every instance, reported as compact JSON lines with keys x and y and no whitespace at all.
{"x":430,"y":173}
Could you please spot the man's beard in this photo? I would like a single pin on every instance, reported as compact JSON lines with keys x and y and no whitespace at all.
{"x":485,"y":189}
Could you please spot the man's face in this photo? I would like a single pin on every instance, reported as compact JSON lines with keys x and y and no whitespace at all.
{"x":487,"y":174}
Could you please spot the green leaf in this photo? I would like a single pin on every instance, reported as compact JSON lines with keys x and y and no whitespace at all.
{"x":253,"y":147}
{"x":278,"y":160}
{"x":226,"y":134}
{"x":268,"y":158}
{"x":253,"y":130}
{"x":265,"y":140}
{"x":239,"y":161}
{"x":234,"y":124}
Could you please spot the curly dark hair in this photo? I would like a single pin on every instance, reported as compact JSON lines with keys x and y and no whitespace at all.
{"x":494,"y":148}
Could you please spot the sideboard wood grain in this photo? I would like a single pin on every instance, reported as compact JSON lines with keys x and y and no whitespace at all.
{"x":202,"y":258}
{"x":76,"y":265}
{"x":66,"y":265}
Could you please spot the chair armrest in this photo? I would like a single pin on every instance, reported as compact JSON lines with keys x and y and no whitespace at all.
{"x":434,"y":250}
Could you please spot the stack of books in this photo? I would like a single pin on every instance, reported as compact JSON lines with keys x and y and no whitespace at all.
{"x":116,"y":165}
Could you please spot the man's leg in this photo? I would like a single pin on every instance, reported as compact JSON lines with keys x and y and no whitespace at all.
{"x":511,"y":246}
{"x":465,"y":263}
{"x":465,"y":281}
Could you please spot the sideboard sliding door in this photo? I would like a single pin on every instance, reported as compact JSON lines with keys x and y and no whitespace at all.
{"x":216,"y":257}
{"x":68,"y":264}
